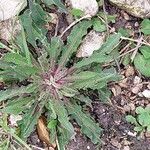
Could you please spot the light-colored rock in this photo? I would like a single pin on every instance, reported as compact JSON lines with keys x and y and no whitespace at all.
{"x":146,"y":93}
{"x":13,"y":119}
{"x":92,"y":41}
{"x":126,"y":148}
{"x":10,"y":8}
{"x":137,"y":88}
{"x":129,"y":71}
{"x":9,"y":28}
{"x":137,"y":80}
{"x":138,"y":8}
{"x":89,"y":7}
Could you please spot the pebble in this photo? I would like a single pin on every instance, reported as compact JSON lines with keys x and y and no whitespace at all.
{"x":126,"y":148}
{"x":92,"y":41}
{"x":10,"y":8}
{"x":138,"y":8}
{"x":146,"y":93}
{"x":89,"y":7}
{"x":129,"y":71}
{"x":137,"y":80}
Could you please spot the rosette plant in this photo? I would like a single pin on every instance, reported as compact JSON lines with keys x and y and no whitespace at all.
{"x":54,"y":81}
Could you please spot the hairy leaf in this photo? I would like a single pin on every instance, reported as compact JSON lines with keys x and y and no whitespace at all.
{"x":17,"y":105}
{"x":142,"y":64}
{"x":58,"y":3}
{"x":62,"y":114}
{"x":10,"y":93}
{"x":88,"y":126}
{"x":74,"y":41}
{"x":15,"y":58}
{"x":31,"y":116}
{"x":95,"y":58}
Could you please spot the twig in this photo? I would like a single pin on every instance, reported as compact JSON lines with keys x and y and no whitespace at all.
{"x":133,"y":49}
{"x":37,"y":147}
{"x":125,"y":38}
{"x":133,"y":40}
{"x":56,"y":29}
{"x":74,"y":23}
{"x":105,"y":15}
{"x":137,"y":48}
{"x":124,"y":49}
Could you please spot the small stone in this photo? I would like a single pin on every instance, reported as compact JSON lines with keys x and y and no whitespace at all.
{"x":115,"y":143}
{"x":132,"y":106}
{"x":13,"y":119}
{"x":89,"y":7}
{"x":126,"y":148}
{"x":146,"y":93}
{"x":93,"y":41}
{"x":116,"y":90}
{"x":123,"y":83}
{"x":136,"y":89}
{"x":88,"y":147}
{"x":131,"y":133}
{"x":10,"y":8}
{"x":54,"y":18}
{"x":127,"y":108}
{"x":137,"y":80}
{"x":140,"y":94}
{"x":126,"y":16}
{"x":138,"y":8}
{"x":136,"y":24}
{"x":129,"y":71}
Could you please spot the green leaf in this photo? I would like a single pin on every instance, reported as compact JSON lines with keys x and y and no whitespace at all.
{"x":124,"y":32}
{"x":138,"y":128}
{"x":85,"y":99}
{"x":145,"y":26}
{"x":144,"y":119}
{"x":88,"y":126}
{"x":98,"y":25}
{"x":17,"y":105}
{"x":96,"y":82}
{"x":62,"y":114}
{"x":31,"y":116}
{"x":15,"y":58}
{"x":52,"y":124}
{"x":131,"y":119}
{"x":104,"y":94}
{"x":10,"y":93}
{"x":63,"y":138}
{"x":84,"y":75}
{"x":95,"y":58}
{"x":54,"y":48}
{"x":68,"y":92}
{"x":142,"y":65}
{"x":140,"y":110}
{"x":145,"y":50}
{"x":77,"y":12}
{"x":110,"y":18}
{"x":33,"y":22}
{"x":74,"y":41}
{"x":112,"y":41}
{"x":58,"y":3}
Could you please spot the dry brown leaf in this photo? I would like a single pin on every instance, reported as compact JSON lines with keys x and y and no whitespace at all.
{"x":43,"y":132}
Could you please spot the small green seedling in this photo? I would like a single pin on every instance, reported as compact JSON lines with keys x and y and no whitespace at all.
{"x":142,"y":120}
